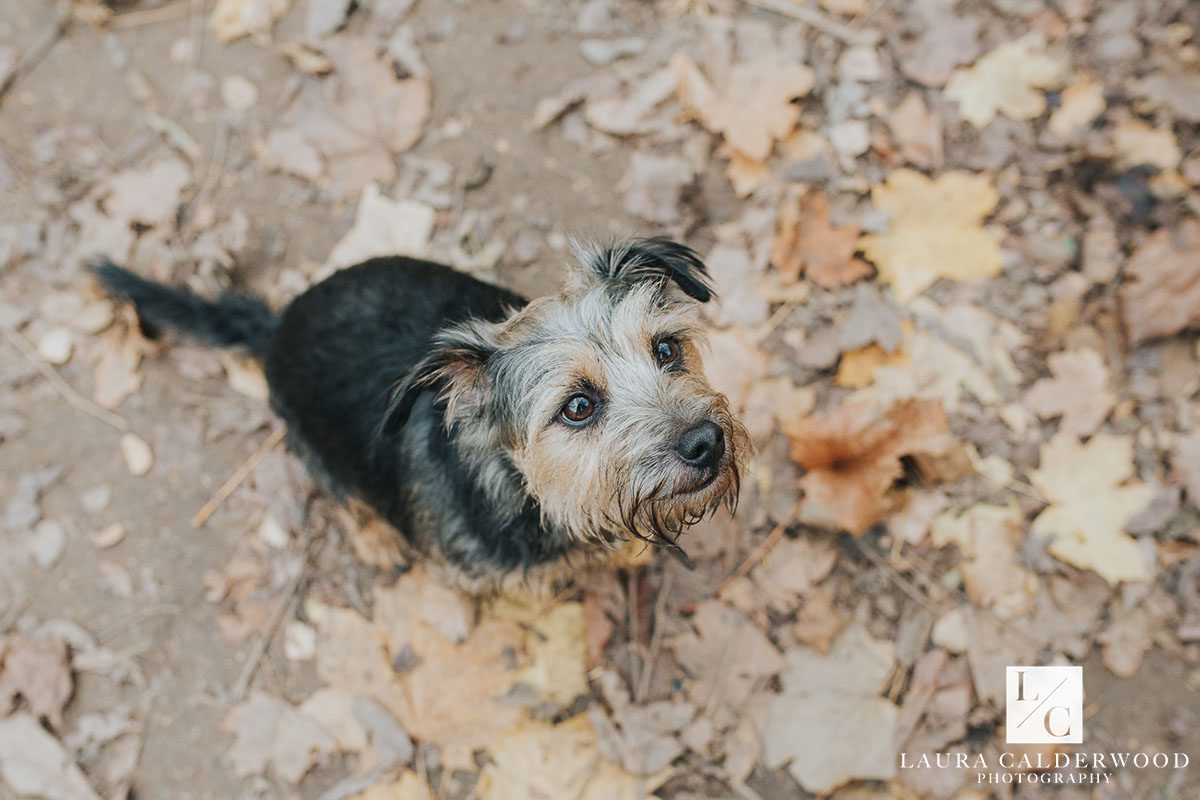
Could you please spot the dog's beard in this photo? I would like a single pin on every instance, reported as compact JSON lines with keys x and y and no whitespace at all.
{"x":659,"y":509}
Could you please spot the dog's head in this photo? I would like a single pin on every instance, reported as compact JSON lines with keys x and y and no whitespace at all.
{"x":596,"y":397}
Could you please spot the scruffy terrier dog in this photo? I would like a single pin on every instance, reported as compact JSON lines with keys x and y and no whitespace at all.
{"x":496,"y":436}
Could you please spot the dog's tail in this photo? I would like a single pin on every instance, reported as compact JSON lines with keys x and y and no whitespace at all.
{"x":229,"y":320}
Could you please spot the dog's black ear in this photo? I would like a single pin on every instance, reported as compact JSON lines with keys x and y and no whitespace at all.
{"x":455,"y":368}
{"x":632,"y":262}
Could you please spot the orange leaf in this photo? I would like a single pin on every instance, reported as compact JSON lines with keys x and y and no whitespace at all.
{"x":808,"y":242}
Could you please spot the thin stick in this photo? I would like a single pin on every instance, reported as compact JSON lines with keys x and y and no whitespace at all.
{"x":660,"y":610}
{"x":150,"y":16}
{"x":761,"y":551}
{"x":815,"y":19}
{"x":60,"y":385}
{"x":250,"y":667}
{"x":40,"y":47}
{"x":235,"y":480}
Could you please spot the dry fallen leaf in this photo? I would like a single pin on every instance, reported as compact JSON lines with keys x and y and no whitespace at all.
{"x":556,"y":647}
{"x":988,"y":538}
{"x":34,"y":764}
{"x":918,"y":132}
{"x":728,"y":659}
{"x":1082,"y":102}
{"x":1139,"y":143}
{"x":1126,"y":639}
{"x":935,"y":231}
{"x":834,"y":698}
{"x":946,"y":41}
{"x":614,"y":110}
{"x":384,"y":227}
{"x":754,"y":108}
{"x":273,"y":735}
{"x":347,"y":129}
{"x":37,"y":669}
{"x":853,"y":458}
{"x":539,"y":760}
{"x":1079,"y":392}
{"x":1007,"y":81}
{"x":1161,"y":293}
{"x":149,"y":195}
{"x":1091,"y":498}
{"x":409,"y":786}
{"x":807,"y":242}
{"x":233,"y":19}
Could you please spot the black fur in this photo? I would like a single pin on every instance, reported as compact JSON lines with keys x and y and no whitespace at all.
{"x":660,"y":259}
{"x":332,"y":359}
{"x":230,"y":320}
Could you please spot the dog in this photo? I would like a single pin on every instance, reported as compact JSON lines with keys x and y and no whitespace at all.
{"x":493,"y":436}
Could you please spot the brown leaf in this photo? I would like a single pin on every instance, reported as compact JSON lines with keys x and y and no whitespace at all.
{"x":1161,"y":294}
{"x":37,"y":669}
{"x":808,"y":243}
{"x":727,"y":657}
{"x":946,"y":41}
{"x":918,"y":132}
{"x":1079,"y":392}
{"x":818,"y":622}
{"x":853,"y":458}
{"x":272,"y":735}
{"x":349,"y":127}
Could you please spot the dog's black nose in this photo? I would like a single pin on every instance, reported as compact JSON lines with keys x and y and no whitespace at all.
{"x":702,"y":445}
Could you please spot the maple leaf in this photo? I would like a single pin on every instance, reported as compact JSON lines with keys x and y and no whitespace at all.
{"x":935,"y":231}
{"x":1161,"y":295}
{"x":273,"y":735}
{"x":853,"y":458}
{"x":539,"y":760}
{"x":754,"y":108}
{"x":808,"y":243}
{"x":1091,"y":500}
{"x":1078,"y":392}
{"x":834,"y":698}
{"x":348,"y":128}
{"x":1007,"y":81}
{"x":946,"y":40}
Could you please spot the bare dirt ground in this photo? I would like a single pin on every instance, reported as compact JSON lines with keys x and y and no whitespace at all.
{"x":157,"y":620}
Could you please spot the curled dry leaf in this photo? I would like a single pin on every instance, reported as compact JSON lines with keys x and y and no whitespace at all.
{"x":935,"y":231}
{"x":754,"y":108}
{"x":1007,"y":81}
{"x":1091,"y":498}
{"x":853,"y":458}
{"x":1079,"y":392}
{"x":1161,"y":294}
{"x":808,"y":243}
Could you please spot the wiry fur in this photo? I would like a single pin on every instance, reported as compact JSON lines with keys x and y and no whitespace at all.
{"x":433,"y":399}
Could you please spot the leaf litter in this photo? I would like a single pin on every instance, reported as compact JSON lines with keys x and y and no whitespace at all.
{"x":959,"y":320}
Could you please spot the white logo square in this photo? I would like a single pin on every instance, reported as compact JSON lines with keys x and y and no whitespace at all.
{"x":1044,"y":705}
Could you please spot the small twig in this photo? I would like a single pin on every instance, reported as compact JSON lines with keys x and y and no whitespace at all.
{"x":60,"y":385}
{"x":660,"y":611}
{"x":40,"y":47}
{"x":250,"y":667}
{"x":775,"y":321}
{"x":235,"y":480}
{"x":761,"y":551}
{"x":815,"y":19}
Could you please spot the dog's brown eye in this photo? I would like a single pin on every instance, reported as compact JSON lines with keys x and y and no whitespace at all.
{"x":578,"y":409}
{"x":666,"y":351}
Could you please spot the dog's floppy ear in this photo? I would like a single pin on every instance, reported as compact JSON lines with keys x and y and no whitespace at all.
{"x":629,"y":263}
{"x":455,"y":367}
